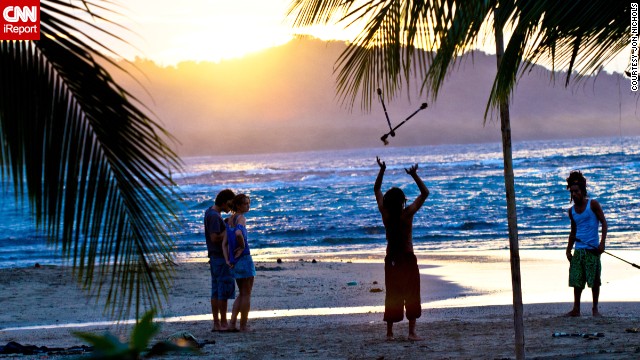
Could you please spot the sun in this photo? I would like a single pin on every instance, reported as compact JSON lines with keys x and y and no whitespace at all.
{"x":204,"y":30}
{"x":211,"y":30}
{"x":230,"y":29}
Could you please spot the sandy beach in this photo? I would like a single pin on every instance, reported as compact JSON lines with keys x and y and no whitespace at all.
{"x":332,"y":309}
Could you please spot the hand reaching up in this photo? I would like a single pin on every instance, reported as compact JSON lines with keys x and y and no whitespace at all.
{"x":412,"y":170}
{"x":382,"y":165}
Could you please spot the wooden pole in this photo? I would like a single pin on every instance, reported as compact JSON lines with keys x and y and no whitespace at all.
{"x":505,"y":125}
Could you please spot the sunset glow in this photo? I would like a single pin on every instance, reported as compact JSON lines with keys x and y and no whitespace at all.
{"x":203,"y":30}
{"x":211,"y":30}
{"x":224,"y":29}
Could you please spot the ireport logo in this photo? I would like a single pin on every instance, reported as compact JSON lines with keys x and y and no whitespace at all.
{"x":19,"y":19}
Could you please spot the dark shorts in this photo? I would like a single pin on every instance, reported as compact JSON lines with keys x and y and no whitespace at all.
{"x":402,"y":280}
{"x":223,"y":286}
{"x":585,"y":268}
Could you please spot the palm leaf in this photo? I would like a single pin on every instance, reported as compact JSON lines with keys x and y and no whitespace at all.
{"x":399,"y":36}
{"x":94,"y":165}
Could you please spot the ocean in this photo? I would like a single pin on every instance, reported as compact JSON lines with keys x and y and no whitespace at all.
{"x":323,"y":200}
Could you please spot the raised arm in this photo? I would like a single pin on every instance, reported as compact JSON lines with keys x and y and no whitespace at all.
{"x":424,"y":191}
{"x":377,"y":187}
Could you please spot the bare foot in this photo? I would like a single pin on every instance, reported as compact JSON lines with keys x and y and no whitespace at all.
{"x":243,"y":326}
{"x":414,"y":337}
{"x":390,"y":337}
{"x":596,"y":313}
{"x":572,"y":313}
{"x":220,"y":326}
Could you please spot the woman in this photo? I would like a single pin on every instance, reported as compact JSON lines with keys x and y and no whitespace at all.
{"x":401,"y":274}
{"x":238,"y":257}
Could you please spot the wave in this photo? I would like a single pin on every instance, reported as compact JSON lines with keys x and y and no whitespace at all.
{"x":471,"y":225}
{"x":325,"y":199}
{"x":202,"y":205}
{"x":350,"y":240}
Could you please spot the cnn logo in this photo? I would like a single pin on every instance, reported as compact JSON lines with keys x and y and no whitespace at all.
{"x":20,"y":20}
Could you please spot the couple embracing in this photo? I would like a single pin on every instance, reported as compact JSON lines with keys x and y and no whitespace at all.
{"x":230,"y":259}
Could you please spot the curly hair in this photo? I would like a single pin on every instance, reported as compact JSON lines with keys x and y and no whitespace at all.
{"x":576,"y":178}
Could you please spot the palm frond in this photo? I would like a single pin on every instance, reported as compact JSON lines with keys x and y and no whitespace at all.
{"x":309,"y":12}
{"x":94,"y":165}
{"x":579,"y":36}
{"x":384,"y":54}
{"x":457,"y":32}
{"x":584,"y":33}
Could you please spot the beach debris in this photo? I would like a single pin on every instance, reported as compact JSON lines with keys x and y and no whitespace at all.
{"x":164,"y":347}
{"x":375,"y":283}
{"x":37,"y":266}
{"x":310,"y":351}
{"x":181,"y":341}
{"x":109,"y":346}
{"x":279,"y":261}
{"x":352,"y":283}
{"x":589,"y":337}
{"x":375,"y":290}
{"x":582,"y":335}
{"x":632,"y":330}
{"x":313,"y":261}
{"x":13,"y":347}
{"x":184,"y":339}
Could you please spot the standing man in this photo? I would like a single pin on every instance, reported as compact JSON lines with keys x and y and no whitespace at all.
{"x":222,"y":283}
{"x":585,"y":214}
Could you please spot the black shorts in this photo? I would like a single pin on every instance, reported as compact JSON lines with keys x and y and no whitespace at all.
{"x":402,"y":280}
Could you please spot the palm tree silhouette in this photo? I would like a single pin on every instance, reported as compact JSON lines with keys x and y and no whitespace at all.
{"x":94,"y":166}
{"x":404,"y":40}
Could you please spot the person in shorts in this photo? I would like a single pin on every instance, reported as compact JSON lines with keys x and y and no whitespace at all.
{"x":401,"y":274}
{"x":222,"y":285}
{"x":586,"y":217}
{"x":239,"y":260}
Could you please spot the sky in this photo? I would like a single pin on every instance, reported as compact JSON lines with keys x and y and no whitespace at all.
{"x":211,"y":30}
{"x":290,"y":81}
{"x":169,"y":32}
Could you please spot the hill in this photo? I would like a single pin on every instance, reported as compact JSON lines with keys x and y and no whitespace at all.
{"x":284,"y":99}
